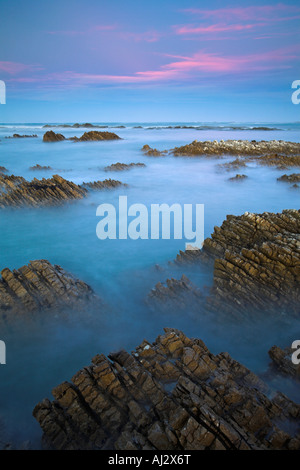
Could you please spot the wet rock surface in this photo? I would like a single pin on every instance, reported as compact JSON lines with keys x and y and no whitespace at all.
{"x":3,"y":170}
{"x":173,"y":394}
{"x":237,"y":147}
{"x":40,"y":286}
{"x":150,"y":152}
{"x":51,"y":136}
{"x":40,"y":167}
{"x":106,"y":184}
{"x":175,"y":293}
{"x":256,"y":264}
{"x":18,"y":136}
{"x":294,"y":178}
{"x":282,"y":362}
{"x":15,"y":191}
{"x":238,"y":177}
{"x":96,"y":136}
{"x":123,"y":166}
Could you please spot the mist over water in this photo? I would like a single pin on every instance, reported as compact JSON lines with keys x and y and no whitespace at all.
{"x":41,"y":355}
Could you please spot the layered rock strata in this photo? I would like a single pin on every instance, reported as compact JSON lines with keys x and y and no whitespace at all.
{"x":173,"y":394}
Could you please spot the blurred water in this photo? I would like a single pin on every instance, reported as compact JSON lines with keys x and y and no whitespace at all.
{"x":122,"y":271}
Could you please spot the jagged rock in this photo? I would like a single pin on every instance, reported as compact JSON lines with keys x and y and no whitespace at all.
{"x":238,"y":147}
{"x":52,"y":191}
{"x":106,"y":184}
{"x":150,"y":152}
{"x":294,"y":178}
{"x":18,"y":136}
{"x":282,"y":361}
{"x":234,"y":165}
{"x":175,"y":293}
{"x":40,"y":286}
{"x":238,"y":177}
{"x":96,"y":136}
{"x":280,"y":161}
{"x":40,"y":167}
{"x":256,"y":264}
{"x":3,"y":169}
{"x":123,"y":166}
{"x":51,"y":136}
{"x":173,"y":394}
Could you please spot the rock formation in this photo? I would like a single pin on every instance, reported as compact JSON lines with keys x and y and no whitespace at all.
{"x":238,"y":177}
{"x":150,"y":152}
{"x":106,"y":184}
{"x":282,"y":362}
{"x":294,"y":178}
{"x":123,"y":166}
{"x":18,"y":136}
{"x":96,"y":136}
{"x":19,"y":192}
{"x":51,"y":136}
{"x":40,"y":167}
{"x":237,"y":147}
{"x":39,"y":286}
{"x":173,"y":394}
{"x":175,"y":292}
{"x":256,"y":264}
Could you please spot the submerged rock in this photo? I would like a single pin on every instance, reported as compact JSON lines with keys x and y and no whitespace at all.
{"x":40,"y":167}
{"x":123,"y":166}
{"x":175,"y":292}
{"x":39,"y":286}
{"x":294,"y":178}
{"x":282,"y":361}
{"x":173,"y":394}
{"x":106,"y":184}
{"x":3,"y":169}
{"x":18,"y":136}
{"x":238,"y":177}
{"x":150,"y":152}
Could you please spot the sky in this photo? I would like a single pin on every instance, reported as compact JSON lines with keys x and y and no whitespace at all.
{"x":138,"y":61}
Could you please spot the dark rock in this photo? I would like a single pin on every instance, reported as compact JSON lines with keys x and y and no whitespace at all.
{"x":40,"y":286}
{"x":282,"y":362}
{"x":175,"y":293}
{"x":50,"y":136}
{"x":294,"y":178}
{"x":3,"y":169}
{"x":238,"y":177}
{"x":18,"y":136}
{"x":123,"y":166}
{"x":172,"y":395}
{"x":39,"y":167}
{"x":150,"y":152}
{"x":19,"y":192}
{"x":96,"y":136}
{"x":106,"y":184}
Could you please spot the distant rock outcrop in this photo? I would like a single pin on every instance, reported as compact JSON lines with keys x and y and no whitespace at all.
{"x":150,"y":152}
{"x":237,"y":147}
{"x":106,"y":184}
{"x":294,"y":178}
{"x":123,"y":166}
{"x":96,"y":136}
{"x":40,"y":167}
{"x":173,"y":394}
{"x":39,"y":286}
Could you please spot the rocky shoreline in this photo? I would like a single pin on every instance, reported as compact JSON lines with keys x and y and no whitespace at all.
{"x":173,"y":394}
{"x":91,"y":136}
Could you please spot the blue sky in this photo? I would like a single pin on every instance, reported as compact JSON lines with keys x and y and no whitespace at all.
{"x":98,"y":61}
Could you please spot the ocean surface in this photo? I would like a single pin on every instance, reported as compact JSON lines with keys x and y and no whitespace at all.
{"x":122,"y":272}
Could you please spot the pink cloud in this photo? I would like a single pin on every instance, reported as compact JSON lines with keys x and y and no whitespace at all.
{"x":253,"y":12}
{"x":215,"y":28}
{"x":184,"y":68}
{"x":13,"y":68}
